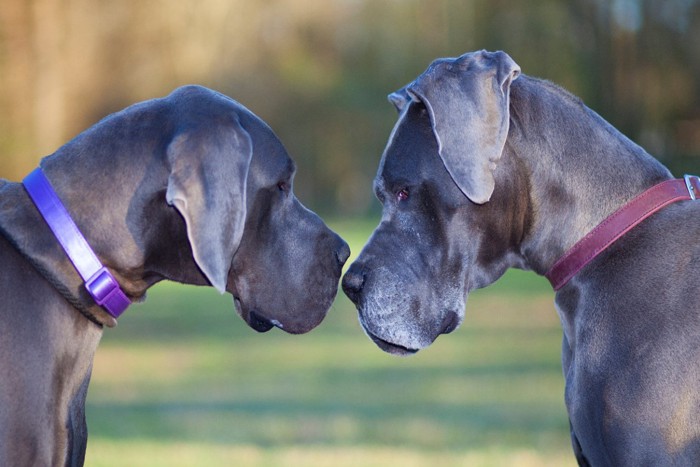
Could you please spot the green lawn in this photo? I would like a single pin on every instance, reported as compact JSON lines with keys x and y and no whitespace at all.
{"x":182,"y":381}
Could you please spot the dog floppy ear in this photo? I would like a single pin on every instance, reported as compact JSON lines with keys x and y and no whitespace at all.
{"x":207,"y":185}
{"x":399,"y":99}
{"x":467,"y":99}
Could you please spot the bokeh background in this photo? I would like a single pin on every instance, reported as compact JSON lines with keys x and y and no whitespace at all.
{"x":319,"y":71}
{"x":183,"y":381}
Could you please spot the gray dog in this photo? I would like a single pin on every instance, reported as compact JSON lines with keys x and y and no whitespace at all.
{"x":487,"y":170}
{"x":192,"y":188}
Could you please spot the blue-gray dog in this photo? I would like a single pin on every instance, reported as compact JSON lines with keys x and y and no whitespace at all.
{"x":192,"y":188}
{"x":488,"y":169}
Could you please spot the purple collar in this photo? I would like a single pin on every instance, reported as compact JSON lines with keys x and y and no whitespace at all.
{"x":99,"y":282}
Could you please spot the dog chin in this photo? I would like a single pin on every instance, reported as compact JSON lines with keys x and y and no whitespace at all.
{"x":387,"y":346}
{"x":390,"y":348}
{"x":450,"y":322}
{"x":260,"y":323}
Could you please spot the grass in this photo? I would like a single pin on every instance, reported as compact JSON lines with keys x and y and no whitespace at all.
{"x":182,"y":381}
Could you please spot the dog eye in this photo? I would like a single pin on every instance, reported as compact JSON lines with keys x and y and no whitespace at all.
{"x":282,"y":186}
{"x":402,"y":195}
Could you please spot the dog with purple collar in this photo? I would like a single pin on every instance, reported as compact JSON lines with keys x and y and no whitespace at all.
{"x":192,"y":188}
{"x":487,"y":169}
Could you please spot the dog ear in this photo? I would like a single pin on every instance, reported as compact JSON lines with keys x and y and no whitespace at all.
{"x":467,"y":99}
{"x":399,"y":99}
{"x":207,"y":185}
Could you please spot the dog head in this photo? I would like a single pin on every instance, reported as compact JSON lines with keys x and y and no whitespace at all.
{"x":443,"y":230}
{"x":231,"y":181}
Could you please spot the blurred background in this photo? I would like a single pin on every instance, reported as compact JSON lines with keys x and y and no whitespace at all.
{"x":319,"y":71}
{"x":182,"y":380}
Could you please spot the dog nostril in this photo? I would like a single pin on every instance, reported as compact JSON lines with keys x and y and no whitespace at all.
{"x":353,"y":283}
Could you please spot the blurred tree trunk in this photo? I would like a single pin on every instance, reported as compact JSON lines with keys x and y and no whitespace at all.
{"x":319,"y":71}
{"x":49,"y":107}
{"x":17,"y":88}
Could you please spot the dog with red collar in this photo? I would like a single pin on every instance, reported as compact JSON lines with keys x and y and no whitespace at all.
{"x":487,"y":169}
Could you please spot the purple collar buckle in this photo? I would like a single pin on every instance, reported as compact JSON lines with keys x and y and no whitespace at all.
{"x":105,"y":289}
{"x":99,"y":282}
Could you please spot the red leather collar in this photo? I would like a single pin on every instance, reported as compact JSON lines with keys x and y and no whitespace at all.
{"x":619,"y":223}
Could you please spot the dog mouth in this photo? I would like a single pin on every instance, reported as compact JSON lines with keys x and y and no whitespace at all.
{"x":389,"y":347}
{"x":259,"y":323}
{"x":255,"y":320}
{"x":449,"y":323}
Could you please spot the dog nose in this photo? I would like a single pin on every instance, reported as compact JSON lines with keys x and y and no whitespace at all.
{"x":354,"y":282}
{"x":342,"y":252}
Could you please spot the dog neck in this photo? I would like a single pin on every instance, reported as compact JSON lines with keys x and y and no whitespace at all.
{"x":118,"y":200}
{"x":101,"y":209}
{"x":24,"y":228}
{"x":579,"y":168}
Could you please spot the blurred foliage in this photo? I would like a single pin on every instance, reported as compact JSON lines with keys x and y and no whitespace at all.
{"x":318,"y":71}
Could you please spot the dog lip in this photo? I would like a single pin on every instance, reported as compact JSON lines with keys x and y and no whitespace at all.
{"x":449,"y":323}
{"x":391,"y":348}
{"x":259,"y":323}
{"x":253,"y":319}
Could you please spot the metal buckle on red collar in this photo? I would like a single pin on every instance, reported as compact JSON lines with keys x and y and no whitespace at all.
{"x":692,"y":190}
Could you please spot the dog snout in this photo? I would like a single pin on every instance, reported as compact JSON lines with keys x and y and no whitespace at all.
{"x":354,"y":282}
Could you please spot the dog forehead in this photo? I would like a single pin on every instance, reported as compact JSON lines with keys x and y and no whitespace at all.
{"x":462,"y":63}
{"x":207,"y":106}
{"x":440,"y":65}
{"x":270,"y":163}
{"x":412,"y":149}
